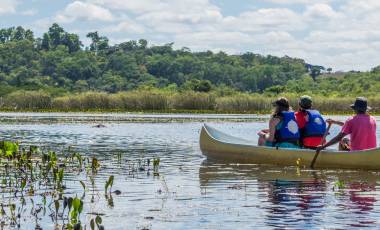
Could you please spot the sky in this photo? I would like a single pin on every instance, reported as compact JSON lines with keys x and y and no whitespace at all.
{"x":341,"y":34}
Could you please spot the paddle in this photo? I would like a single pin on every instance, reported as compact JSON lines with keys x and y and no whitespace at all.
{"x":323,"y":140}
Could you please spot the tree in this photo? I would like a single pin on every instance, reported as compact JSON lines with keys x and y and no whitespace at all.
{"x":18,"y":34}
{"x":276,"y":89}
{"x":71,"y":41}
{"x":376,"y":69}
{"x":45,"y":45}
{"x":29,"y":35}
{"x":55,"y":33}
{"x":94,"y":40}
{"x":98,"y":43}
{"x":315,"y":71}
{"x":143,"y":43}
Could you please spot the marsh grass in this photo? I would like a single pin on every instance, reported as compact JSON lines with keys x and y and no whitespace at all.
{"x":33,"y":185}
{"x":168,"y":101}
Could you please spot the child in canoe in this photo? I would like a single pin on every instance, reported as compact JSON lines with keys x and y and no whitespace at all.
{"x":311,"y":123}
{"x":283,"y":130}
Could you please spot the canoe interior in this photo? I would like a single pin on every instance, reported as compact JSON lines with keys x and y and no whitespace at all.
{"x":220,"y":146}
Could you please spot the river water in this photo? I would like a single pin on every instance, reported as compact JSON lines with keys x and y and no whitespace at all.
{"x":191,"y":192}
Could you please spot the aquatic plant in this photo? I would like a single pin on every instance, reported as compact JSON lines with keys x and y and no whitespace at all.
{"x":109,"y":183}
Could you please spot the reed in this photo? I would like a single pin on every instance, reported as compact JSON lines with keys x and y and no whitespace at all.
{"x":193,"y":101}
{"x":244,"y":103}
{"x":26,"y":100}
{"x":168,"y":101}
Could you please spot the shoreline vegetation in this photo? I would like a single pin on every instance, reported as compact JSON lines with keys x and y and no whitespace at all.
{"x":160,"y":101}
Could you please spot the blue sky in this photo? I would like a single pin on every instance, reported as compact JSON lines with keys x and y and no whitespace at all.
{"x":342,"y":34}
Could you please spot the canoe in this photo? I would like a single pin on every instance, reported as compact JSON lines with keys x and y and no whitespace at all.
{"x":220,"y":146}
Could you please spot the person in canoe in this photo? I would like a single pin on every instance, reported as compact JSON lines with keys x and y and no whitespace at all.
{"x":361,"y":127}
{"x":311,"y":123}
{"x":283,"y":130}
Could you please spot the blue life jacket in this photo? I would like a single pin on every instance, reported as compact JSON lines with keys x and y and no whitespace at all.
{"x":316,"y":125}
{"x":289,"y":131}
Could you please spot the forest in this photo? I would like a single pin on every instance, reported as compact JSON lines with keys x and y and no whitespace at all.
{"x":58,"y":65}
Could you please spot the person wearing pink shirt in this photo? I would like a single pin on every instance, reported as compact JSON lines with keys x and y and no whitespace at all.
{"x":361,"y":128}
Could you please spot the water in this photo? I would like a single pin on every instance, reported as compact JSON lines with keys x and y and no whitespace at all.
{"x":190,"y":191}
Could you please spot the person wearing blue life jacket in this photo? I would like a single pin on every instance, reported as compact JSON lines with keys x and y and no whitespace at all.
{"x":311,"y":123}
{"x":283,"y":130}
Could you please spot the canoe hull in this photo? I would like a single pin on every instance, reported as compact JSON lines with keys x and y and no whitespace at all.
{"x":219,"y":146}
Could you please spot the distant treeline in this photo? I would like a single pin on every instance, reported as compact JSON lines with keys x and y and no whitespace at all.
{"x":58,"y":65}
{"x":166,"y":101}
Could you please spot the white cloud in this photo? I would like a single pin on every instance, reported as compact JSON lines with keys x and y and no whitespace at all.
{"x":84,"y":11}
{"x":8,"y":6}
{"x":212,"y":39}
{"x":126,"y":25}
{"x":265,"y":19}
{"x":30,"y":12}
{"x":292,"y":2}
{"x":320,"y":11}
{"x":181,"y":16}
{"x":136,"y":6}
{"x":360,"y":7}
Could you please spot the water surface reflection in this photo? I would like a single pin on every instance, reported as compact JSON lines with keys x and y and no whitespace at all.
{"x":294,"y":198}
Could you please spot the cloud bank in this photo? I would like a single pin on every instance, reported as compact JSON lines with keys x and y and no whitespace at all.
{"x":334,"y":33}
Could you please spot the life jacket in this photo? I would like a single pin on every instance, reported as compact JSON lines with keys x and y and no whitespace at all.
{"x":315,"y":126}
{"x":289,"y":131}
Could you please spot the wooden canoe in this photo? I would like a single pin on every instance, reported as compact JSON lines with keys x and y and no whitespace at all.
{"x":220,"y":146}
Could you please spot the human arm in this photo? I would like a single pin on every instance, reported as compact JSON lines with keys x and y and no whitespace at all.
{"x":273,"y":122}
{"x":331,"y":121}
{"x":333,"y":141}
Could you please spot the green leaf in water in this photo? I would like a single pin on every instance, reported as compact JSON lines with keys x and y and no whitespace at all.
{"x":70,"y":202}
{"x":65,"y":203}
{"x":83,"y":185}
{"x":76,"y":204}
{"x":95,"y":164}
{"x":23,"y":184}
{"x":98,"y":220}
{"x":92,"y":224}
{"x":56,"y":205}
{"x":109,"y":183}
{"x":339,"y":184}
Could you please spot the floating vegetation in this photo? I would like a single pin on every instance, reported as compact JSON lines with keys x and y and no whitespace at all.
{"x":33,"y":185}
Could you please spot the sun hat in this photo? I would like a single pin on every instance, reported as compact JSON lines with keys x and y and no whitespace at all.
{"x":361,"y":104}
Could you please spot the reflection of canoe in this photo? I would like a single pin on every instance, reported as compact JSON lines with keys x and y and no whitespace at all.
{"x":216,"y":172}
{"x":220,"y":146}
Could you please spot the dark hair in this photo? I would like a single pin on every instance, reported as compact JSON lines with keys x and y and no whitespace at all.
{"x":281,"y":105}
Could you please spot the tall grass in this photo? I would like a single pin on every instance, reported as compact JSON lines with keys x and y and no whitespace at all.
{"x":26,"y":100}
{"x":164,"y":101}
